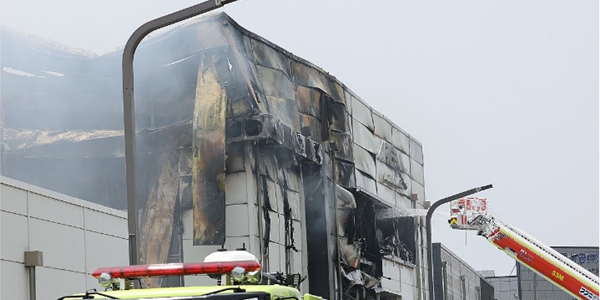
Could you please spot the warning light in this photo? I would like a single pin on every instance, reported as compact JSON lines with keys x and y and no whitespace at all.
{"x":177,"y":269}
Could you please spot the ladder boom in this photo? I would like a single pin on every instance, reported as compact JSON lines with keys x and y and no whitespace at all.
{"x":471,"y":214}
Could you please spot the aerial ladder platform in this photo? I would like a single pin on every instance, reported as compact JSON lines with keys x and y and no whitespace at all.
{"x":471,"y":213}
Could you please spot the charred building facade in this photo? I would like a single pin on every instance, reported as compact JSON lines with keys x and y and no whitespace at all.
{"x":240,"y":144}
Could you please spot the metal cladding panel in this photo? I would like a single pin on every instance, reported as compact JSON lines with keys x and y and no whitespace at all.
{"x":397,"y":181}
{"x":341,"y":120}
{"x":416,"y":151}
{"x":393,"y":158}
{"x":362,"y":113}
{"x":294,"y":205}
{"x":404,"y":202}
{"x":344,"y":144}
{"x":280,"y":198}
{"x":408,"y":281}
{"x":309,"y":101}
{"x":386,"y":194}
{"x":310,"y":76}
{"x":345,"y":174}
{"x":296,"y":257}
{"x":364,"y":182}
{"x":336,"y":91}
{"x":390,"y":282}
{"x":275,"y":254}
{"x":405,"y":162}
{"x":400,"y":140}
{"x":348,"y":98}
{"x":266,"y":56}
{"x":276,"y":228}
{"x":383,"y":127}
{"x":271,"y":194}
{"x":292,"y":179}
{"x":419,"y":190}
{"x":383,"y":173}
{"x":236,"y":191}
{"x":310,"y":126}
{"x":237,"y":214}
{"x":365,"y":138}
{"x":365,"y":161}
{"x":275,"y":83}
{"x":416,"y":172}
{"x":236,"y":158}
{"x":269,"y":166}
{"x":14,"y":229}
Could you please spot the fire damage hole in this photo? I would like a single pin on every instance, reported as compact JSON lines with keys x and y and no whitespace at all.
{"x":253,"y":127}
{"x":234,"y":129}
{"x":396,"y":238}
{"x":359,"y":283}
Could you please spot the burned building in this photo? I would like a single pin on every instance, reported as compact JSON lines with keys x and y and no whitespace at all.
{"x":240,"y":143}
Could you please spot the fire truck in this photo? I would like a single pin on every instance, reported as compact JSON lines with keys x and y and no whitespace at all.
{"x":472,"y":214}
{"x":237,"y":273}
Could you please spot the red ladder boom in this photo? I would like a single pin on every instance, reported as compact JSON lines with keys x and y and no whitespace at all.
{"x":471,"y":214}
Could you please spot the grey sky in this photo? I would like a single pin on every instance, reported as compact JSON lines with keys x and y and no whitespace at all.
{"x":502,"y":92}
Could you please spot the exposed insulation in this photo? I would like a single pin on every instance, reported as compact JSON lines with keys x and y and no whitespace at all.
{"x":158,"y":219}
{"x":208,"y":155}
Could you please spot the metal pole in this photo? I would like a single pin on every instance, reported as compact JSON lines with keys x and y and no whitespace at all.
{"x":129,"y":109}
{"x":32,"y":284}
{"x":428,"y":228}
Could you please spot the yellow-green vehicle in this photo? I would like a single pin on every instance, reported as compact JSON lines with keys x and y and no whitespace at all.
{"x":238,"y":275}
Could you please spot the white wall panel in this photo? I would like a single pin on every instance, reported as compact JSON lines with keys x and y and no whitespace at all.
{"x":13,"y":230}
{"x":63,"y":246}
{"x":13,"y":285}
{"x":13,"y":199}
{"x":45,"y":208}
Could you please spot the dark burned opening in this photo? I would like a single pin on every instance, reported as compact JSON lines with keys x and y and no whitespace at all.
{"x":253,"y":127}
{"x":234,"y":129}
{"x":316,"y":233}
{"x":367,"y":233}
{"x":397,"y":237}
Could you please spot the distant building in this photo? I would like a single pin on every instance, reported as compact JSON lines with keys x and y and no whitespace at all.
{"x":454,"y":279}
{"x":505,"y":287}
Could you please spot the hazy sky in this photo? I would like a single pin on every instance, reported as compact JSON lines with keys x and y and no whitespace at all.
{"x":502,"y":92}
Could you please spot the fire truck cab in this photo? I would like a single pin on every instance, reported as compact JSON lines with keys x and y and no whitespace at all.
{"x":238,"y":275}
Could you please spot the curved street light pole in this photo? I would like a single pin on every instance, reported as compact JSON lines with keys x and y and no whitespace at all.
{"x":428,"y":228}
{"x":129,"y":109}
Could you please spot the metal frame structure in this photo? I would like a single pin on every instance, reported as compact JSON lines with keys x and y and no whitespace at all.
{"x":129,"y":109}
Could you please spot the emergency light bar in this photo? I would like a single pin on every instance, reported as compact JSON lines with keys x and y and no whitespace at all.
{"x":177,"y":269}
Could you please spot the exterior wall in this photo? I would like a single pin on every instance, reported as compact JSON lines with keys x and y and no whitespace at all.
{"x":244,"y":220}
{"x":313,"y":136}
{"x":399,"y":279}
{"x":534,"y":286}
{"x":453,"y":278}
{"x":389,"y":169}
{"x":75,"y":237}
{"x":505,"y":287}
{"x":397,"y":170}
